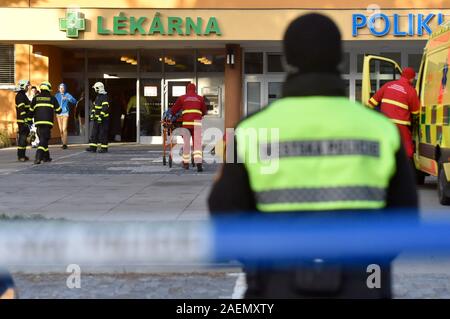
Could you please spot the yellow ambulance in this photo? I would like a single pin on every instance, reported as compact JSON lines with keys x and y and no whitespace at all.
{"x":432,"y":134}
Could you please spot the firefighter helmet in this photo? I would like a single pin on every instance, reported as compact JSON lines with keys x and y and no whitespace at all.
{"x":23,"y":85}
{"x":99,"y":87}
{"x":45,"y":86}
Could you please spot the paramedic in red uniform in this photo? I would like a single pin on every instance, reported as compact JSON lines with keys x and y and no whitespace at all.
{"x":398,"y":100}
{"x":193,"y":109}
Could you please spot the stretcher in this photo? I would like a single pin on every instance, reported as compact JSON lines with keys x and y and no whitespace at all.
{"x":168,"y":127}
{"x":168,"y":142}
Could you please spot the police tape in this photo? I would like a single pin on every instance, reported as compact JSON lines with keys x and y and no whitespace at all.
{"x":249,"y":239}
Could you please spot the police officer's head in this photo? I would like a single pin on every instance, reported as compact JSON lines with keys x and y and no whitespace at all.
{"x":312,"y":44}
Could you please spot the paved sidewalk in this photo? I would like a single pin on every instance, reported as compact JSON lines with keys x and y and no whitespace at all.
{"x":128,"y":183}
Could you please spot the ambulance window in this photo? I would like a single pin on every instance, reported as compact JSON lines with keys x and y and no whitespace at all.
{"x":360,"y":63}
{"x":387,"y":69}
{"x":358,"y":88}
{"x":254,"y":62}
{"x":396,"y":56}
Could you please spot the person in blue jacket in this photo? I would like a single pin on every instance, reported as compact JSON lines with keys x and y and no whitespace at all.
{"x":65,"y":99}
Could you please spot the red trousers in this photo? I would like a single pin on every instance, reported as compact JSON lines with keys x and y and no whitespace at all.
{"x":406,"y":135}
{"x":196,"y":134}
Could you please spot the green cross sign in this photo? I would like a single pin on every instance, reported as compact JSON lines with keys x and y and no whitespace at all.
{"x":72,"y":24}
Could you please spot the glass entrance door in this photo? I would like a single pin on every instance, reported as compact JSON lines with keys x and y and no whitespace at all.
{"x":150,"y":111}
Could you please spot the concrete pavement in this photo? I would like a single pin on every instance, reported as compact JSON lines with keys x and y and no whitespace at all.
{"x":128,"y":183}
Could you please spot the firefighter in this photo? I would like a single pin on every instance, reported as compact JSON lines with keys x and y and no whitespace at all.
{"x":100,"y":117}
{"x":398,"y":100}
{"x":23,"y":119}
{"x":335,"y":156}
{"x":193,"y":109}
{"x":43,"y":108}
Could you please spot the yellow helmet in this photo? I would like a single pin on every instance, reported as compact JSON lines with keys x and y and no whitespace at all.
{"x":45,"y":86}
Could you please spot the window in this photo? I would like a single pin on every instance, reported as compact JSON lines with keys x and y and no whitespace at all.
{"x":211,"y":61}
{"x":274,"y":63}
{"x":414,"y":61}
{"x":345,"y":64}
{"x":178,"y":61}
{"x":151,"y":61}
{"x":254,"y":63}
{"x":253,"y":97}
{"x":7,"y":64}
{"x":110,"y":63}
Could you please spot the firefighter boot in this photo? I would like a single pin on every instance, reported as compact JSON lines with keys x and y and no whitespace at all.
{"x":199,"y":168}
{"x":38,"y":158}
{"x":92,"y":149}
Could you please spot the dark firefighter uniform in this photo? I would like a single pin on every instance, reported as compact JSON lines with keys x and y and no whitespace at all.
{"x":100,"y":118}
{"x":336,"y":158}
{"x":398,"y":100}
{"x":43,"y":109}
{"x":193,"y":109}
{"x":23,"y":121}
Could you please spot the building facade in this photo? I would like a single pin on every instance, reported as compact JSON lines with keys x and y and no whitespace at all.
{"x":147,"y":51}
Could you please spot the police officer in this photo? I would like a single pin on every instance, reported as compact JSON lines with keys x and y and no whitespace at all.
{"x":23,"y":119}
{"x":100,"y":118}
{"x":43,"y":109}
{"x":335,"y":156}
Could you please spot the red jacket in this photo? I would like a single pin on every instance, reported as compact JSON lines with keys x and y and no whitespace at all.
{"x":398,"y":101}
{"x":193,"y":107}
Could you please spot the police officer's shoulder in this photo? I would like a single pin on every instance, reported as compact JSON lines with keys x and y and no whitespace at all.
{"x":248,"y":120}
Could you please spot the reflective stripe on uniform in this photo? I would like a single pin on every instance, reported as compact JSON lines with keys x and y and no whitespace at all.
{"x":43,"y":148}
{"x":316,"y":195}
{"x":93,"y":145}
{"x":98,"y":107}
{"x":192,"y":111}
{"x":58,"y":109}
{"x":105,"y":103}
{"x":44,"y":104}
{"x":21,"y":147}
{"x":19,"y":105}
{"x":23,"y":113}
{"x":43,"y":122}
{"x":327,"y":148}
{"x":192,"y":123}
{"x":104,"y":146}
{"x":401,"y":122}
{"x":20,"y":121}
{"x":403,"y":106}
{"x":373,"y":101}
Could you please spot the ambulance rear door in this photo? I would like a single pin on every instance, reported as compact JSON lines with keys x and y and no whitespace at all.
{"x":377,"y":71}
